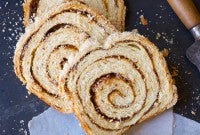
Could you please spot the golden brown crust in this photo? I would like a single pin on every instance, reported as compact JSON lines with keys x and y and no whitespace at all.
{"x":26,"y":12}
{"x":123,"y":16}
{"x":48,"y":100}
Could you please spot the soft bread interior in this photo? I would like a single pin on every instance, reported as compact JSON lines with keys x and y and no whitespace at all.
{"x":48,"y":43}
{"x":118,"y":85}
{"x":114,"y":10}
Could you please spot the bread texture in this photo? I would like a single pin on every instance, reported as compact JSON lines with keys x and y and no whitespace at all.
{"x":49,"y":43}
{"x":114,"y":10}
{"x":117,"y":85}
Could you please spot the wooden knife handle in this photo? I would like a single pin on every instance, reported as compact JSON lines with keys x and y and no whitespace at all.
{"x":186,"y":11}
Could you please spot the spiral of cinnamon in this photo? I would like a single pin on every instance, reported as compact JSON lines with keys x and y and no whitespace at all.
{"x":114,"y":10}
{"x":47,"y":44}
{"x":118,"y":85}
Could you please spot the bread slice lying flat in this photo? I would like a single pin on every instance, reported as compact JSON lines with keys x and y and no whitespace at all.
{"x":118,"y":85}
{"x":48,"y":43}
{"x":114,"y":10}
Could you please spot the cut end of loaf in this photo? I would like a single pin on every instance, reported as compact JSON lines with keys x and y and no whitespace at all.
{"x":46,"y":37}
{"x":106,"y":76}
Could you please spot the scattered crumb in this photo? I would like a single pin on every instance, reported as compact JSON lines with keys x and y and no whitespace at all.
{"x":21,"y":130}
{"x":6,"y":4}
{"x":193,"y":113}
{"x":188,"y":72}
{"x":143,"y":20}
{"x":174,"y":71}
{"x":21,"y":121}
{"x":158,"y":35}
{"x":25,"y":132}
{"x":165,"y":52}
{"x":170,"y":41}
{"x":29,"y":92}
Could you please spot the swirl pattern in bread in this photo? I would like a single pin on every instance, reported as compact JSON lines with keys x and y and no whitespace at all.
{"x":116,"y":86}
{"x":48,"y":43}
{"x":114,"y":10}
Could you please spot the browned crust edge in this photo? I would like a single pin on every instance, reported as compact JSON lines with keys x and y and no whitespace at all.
{"x":26,"y":10}
{"x":47,"y":99}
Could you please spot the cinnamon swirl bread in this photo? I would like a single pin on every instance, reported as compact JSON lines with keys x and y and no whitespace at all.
{"x":114,"y":10}
{"x":119,"y":85}
{"x":46,"y":45}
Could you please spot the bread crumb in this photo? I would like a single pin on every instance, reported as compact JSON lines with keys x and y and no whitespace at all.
{"x":174,"y":71}
{"x":25,"y":132}
{"x":21,"y":121}
{"x":165,"y":52}
{"x":158,"y":35}
{"x":29,"y":92}
{"x":143,"y":20}
{"x":21,"y":130}
{"x":192,"y":112}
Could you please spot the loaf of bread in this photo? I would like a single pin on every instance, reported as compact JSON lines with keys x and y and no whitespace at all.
{"x":118,"y":85}
{"x":114,"y":10}
{"x":48,"y":43}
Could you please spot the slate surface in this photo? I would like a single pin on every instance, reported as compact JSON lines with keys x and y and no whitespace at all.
{"x":17,"y":107}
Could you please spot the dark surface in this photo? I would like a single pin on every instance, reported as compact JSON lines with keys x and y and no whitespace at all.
{"x":17,"y":107}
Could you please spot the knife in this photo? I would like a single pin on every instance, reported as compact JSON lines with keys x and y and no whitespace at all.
{"x":189,"y":15}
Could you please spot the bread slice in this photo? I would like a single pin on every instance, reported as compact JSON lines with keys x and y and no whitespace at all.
{"x":114,"y":10}
{"x":119,"y":85}
{"x":48,"y":43}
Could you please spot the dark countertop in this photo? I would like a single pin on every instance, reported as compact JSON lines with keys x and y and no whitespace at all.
{"x":17,"y":107}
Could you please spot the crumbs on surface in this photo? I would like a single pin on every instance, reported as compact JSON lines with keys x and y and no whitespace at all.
{"x":158,"y":35}
{"x":23,"y":131}
{"x":165,"y":52}
{"x":193,"y":113}
{"x":143,"y":20}
{"x":174,"y":71}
